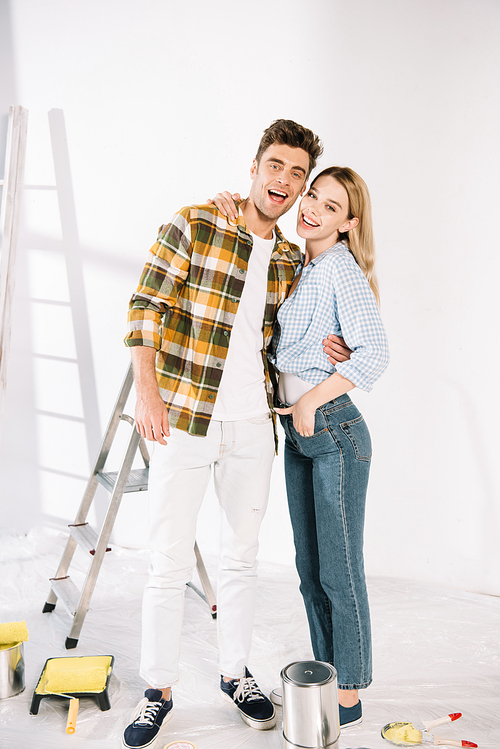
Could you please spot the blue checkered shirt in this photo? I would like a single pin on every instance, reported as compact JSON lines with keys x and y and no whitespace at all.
{"x":332,"y":296}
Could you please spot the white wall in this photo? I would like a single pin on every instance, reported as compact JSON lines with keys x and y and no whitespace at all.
{"x":163,"y":104}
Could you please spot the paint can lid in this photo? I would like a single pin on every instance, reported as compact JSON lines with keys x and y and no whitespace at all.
{"x":308,"y":673}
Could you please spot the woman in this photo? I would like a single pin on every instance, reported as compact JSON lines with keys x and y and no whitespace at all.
{"x":328,"y":447}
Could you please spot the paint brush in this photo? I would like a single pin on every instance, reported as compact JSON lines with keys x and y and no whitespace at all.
{"x":405,"y":734}
{"x":426,"y":726}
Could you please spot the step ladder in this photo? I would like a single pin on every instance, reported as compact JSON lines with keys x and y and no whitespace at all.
{"x":117,"y":483}
{"x":12,"y":183}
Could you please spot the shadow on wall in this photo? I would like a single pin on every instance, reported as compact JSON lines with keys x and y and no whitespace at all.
{"x":73,"y":257}
{"x":50,"y":338}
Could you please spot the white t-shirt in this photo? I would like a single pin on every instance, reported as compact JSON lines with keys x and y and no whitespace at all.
{"x":242,"y":391}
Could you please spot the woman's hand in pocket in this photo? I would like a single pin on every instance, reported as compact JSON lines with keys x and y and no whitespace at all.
{"x":303,"y":413}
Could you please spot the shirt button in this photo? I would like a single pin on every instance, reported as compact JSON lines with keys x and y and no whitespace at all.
{"x":218,"y":364}
{"x":241,"y":270}
{"x":211,"y":396}
{"x":226,"y":333}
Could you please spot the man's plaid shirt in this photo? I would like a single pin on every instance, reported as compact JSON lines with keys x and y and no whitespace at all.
{"x":186,"y":302}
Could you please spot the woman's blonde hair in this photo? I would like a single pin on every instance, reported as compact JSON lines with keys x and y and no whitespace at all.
{"x":360,"y":239}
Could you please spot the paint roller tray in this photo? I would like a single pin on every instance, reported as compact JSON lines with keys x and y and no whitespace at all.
{"x":77,"y":676}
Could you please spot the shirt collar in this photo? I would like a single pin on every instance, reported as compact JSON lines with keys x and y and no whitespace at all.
{"x":333,"y":250}
{"x":281,"y":244}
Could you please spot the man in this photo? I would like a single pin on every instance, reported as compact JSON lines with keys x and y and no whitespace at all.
{"x":200,"y":322}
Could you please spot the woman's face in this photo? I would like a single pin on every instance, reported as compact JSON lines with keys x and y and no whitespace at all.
{"x":324,"y":213}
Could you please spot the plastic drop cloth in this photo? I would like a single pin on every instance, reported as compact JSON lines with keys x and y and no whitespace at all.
{"x":435,"y":651}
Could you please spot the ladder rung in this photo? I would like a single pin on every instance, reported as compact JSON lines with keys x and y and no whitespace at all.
{"x":67,"y":593}
{"x":136,"y":482}
{"x":85,"y":536}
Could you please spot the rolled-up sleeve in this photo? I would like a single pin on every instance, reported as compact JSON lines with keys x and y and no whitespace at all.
{"x":361,"y":326}
{"x":162,"y":279}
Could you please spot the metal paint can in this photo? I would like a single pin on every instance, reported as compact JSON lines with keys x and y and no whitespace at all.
{"x":310,"y":705}
{"x":11,"y":670}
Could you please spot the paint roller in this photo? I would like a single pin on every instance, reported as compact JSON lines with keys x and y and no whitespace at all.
{"x":78,"y":680}
{"x":12,"y":633}
{"x":92,"y":679}
{"x":69,"y":677}
{"x":74,"y":704}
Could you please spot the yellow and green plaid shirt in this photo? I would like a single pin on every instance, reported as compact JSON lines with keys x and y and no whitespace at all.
{"x":186,"y":302}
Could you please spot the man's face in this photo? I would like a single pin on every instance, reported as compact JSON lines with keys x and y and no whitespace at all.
{"x":278,"y":179}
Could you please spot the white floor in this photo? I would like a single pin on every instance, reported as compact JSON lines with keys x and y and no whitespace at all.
{"x":435,"y":651}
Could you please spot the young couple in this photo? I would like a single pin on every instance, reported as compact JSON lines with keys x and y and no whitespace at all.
{"x":223,"y":305}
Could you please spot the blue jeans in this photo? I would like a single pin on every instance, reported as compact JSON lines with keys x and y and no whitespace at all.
{"x":326,"y":481}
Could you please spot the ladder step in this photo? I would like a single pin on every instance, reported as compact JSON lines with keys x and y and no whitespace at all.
{"x":67,"y":592}
{"x":136,"y":482}
{"x":62,"y":587}
{"x":85,"y":536}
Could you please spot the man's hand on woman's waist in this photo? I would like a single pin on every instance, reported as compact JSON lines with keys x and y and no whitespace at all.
{"x":336,"y":350}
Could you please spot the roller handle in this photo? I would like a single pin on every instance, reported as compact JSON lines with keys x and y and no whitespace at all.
{"x":72,"y":713}
{"x":449,"y":742}
{"x":440,"y":721}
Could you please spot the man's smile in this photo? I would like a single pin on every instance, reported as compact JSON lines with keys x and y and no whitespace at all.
{"x":277,"y":196}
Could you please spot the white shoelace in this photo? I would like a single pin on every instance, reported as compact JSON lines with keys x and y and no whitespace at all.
{"x":248,"y":691}
{"x":145,"y":712}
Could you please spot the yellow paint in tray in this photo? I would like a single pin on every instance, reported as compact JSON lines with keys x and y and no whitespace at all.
{"x":75,"y":675}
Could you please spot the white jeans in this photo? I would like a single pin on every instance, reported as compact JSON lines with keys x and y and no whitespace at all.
{"x":241,"y":453}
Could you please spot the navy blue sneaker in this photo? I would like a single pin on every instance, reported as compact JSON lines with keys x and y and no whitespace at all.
{"x":254,"y":707}
{"x":350,"y":716}
{"x":147,"y":719}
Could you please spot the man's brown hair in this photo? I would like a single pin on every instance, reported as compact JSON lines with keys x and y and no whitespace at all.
{"x":290,"y":133}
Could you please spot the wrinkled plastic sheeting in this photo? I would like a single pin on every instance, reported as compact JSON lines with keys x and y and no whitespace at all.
{"x":435,"y":651}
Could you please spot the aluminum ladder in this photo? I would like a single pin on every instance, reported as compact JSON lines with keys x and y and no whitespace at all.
{"x":117,"y":483}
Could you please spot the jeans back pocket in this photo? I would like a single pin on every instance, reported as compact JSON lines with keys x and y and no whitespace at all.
{"x":357,"y":432}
